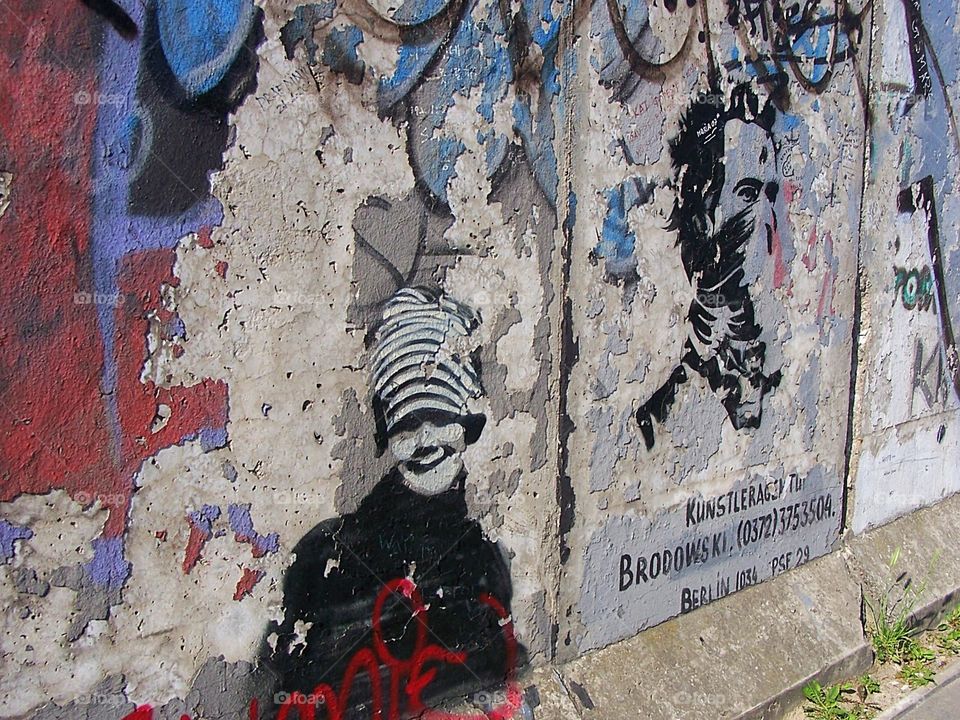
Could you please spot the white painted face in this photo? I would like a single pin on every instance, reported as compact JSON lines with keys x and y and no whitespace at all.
{"x":750,"y":186}
{"x":430,"y":456}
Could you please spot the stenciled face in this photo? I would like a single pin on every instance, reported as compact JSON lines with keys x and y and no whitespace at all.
{"x":430,"y":456}
{"x":750,"y":187}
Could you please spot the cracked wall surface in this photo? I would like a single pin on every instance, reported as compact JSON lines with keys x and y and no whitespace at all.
{"x":909,"y":377}
{"x":714,"y":268}
{"x":360,"y":355}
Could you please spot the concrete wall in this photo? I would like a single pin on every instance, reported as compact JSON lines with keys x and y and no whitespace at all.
{"x":910,"y":372}
{"x":715,"y":263}
{"x":377,"y":352}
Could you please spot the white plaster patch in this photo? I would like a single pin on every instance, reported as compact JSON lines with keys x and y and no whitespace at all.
{"x":6,"y":184}
{"x":34,"y":627}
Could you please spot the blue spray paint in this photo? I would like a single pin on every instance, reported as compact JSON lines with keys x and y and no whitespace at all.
{"x":201,"y":38}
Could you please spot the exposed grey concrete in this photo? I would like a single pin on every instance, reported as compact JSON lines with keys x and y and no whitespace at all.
{"x":926,"y":541}
{"x":553,"y":701}
{"x":743,"y":656}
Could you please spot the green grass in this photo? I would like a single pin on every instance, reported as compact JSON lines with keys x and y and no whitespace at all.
{"x":825,"y":703}
{"x":894,"y":642}
{"x":948,"y":633}
{"x":840,"y":702}
{"x":868,"y":685}
{"x":916,"y":674}
{"x":891,"y":634}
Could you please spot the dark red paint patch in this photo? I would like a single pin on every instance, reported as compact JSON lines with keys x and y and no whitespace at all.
{"x":247,"y":582}
{"x":56,"y":419}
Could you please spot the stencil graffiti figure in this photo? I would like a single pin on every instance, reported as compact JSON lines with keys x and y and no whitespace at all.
{"x":424,"y":416}
{"x":407,"y":574}
{"x":725,"y":216}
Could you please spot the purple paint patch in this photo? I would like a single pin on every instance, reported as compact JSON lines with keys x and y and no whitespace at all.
{"x":177,"y":328}
{"x":212,"y":438}
{"x":202,"y":520}
{"x":242,"y":525}
{"x":118,"y":231}
{"x":108,"y":567}
{"x":9,"y":534}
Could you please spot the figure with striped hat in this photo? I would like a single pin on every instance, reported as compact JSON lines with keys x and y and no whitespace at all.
{"x":425,"y":377}
{"x":408,"y":576}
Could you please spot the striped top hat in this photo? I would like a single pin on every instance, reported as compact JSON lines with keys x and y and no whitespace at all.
{"x":424,"y":361}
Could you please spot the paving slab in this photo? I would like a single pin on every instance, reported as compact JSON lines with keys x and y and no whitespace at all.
{"x":553,"y":700}
{"x":747,"y":655}
{"x":926,"y":542}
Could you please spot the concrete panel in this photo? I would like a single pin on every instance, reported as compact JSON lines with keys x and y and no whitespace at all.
{"x":713,"y":273}
{"x":921,"y":543}
{"x":280,"y":331}
{"x":909,"y":376}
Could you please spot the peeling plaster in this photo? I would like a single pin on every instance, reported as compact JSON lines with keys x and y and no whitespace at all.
{"x":358,"y":149}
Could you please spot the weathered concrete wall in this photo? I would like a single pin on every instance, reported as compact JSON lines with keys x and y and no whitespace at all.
{"x":910,"y":373}
{"x":376,"y":352}
{"x":191,"y":371}
{"x":714,"y":265}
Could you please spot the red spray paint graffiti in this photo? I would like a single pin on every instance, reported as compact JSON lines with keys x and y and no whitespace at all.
{"x":409,"y":677}
{"x":74,"y":412}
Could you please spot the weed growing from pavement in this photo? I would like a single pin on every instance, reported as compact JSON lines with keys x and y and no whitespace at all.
{"x":893,"y":637}
{"x":867,"y":685}
{"x":948,"y":633}
{"x":916,"y":674}
{"x":896,"y":643}
{"x":846,"y":701}
{"x":826,"y":703}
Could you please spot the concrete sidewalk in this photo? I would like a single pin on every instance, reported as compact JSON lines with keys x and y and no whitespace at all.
{"x":938,"y":702}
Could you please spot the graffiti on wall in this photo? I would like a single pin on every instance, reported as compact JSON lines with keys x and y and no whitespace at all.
{"x":152,"y":90}
{"x":780,"y":42}
{"x":918,"y":290}
{"x":913,"y":288}
{"x":449,"y":51}
{"x":726,"y":218}
{"x":407,"y":576}
{"x":123,"y":124}
{"x":726,"y":248}
{"x":805,"y":41}
{"x":921,"y":324}
{"x":403,"y":595}
{"x":911,"y":253}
